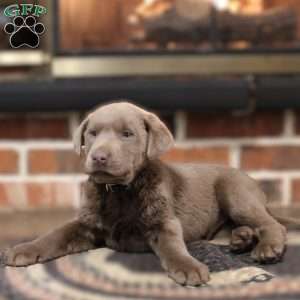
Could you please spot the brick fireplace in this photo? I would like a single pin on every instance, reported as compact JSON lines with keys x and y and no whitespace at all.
{"x":229,"y":93}
{"x":39,"y":169}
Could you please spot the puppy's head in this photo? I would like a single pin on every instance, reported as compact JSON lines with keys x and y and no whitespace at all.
{"x":116,"y":140}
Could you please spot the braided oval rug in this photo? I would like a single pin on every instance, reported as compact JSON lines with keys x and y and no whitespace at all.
{"x":105,"y":274}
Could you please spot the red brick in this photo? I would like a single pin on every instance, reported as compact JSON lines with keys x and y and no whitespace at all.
{"x":9,"y":161}
{"x":53,"y":161}
{"x":11,"y":195}
{"x":36,"y":195}
{"x":168,"y":118}
{"x":215,"y":125}
{"x":296,"y":191}
{"x":271,"y":157}
{"x":218,"y":155}
{"x":272,"y":189}
{"x":54,"y":194}
{"x":29,"y":127}
{"x":3,"y":196}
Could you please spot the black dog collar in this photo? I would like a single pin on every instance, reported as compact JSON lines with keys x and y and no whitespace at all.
{"x":106,"y":189}
{"x":114,"y":188}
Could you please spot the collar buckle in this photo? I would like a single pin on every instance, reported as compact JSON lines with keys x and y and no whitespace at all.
{"x":116,"y":187}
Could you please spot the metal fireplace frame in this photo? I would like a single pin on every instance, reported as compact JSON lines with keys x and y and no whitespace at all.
{"x":164,"y":62}
{"x":116,"y":63}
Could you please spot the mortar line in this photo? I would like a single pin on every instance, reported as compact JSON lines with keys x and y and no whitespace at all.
{"x":289,"y":123}
{"x":180,"y":125}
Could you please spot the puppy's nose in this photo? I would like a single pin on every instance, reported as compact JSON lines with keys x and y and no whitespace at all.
{"x":99,"y":158}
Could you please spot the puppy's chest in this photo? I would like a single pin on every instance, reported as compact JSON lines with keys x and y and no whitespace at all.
{"x":123,"y":222}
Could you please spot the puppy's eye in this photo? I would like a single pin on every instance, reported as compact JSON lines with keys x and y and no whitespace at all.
{"x":93,"y":133}
{"x":127,"y":133}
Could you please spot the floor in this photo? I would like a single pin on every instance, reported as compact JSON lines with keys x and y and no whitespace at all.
{"x":22,"y":225}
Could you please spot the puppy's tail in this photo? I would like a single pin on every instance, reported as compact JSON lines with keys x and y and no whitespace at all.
{"x":289,"y":223}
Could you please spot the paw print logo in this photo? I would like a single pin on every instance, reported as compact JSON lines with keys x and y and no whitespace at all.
{"x":24,"y":32}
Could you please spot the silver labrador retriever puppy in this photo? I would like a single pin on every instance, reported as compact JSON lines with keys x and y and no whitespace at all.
{"x":132,"y":201}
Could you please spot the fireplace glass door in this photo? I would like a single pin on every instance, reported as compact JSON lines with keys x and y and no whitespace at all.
{"x":177,"y":25}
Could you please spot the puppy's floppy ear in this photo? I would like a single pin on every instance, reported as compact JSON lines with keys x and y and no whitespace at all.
{"x":78,"y":136}
{"x":160,"y":138}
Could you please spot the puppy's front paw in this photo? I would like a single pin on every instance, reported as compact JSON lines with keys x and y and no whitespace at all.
{"x":22,"y":255}
{"x":188,"y":271}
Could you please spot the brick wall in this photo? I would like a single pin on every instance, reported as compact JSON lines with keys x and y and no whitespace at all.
{"x":38,"y":168}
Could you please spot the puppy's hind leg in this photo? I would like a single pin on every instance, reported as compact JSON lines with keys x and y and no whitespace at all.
{"x":243,"y":239}
{"x":243,"y":201}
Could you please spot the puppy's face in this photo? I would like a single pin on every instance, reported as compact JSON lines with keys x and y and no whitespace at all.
{"x":116,"y":139}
